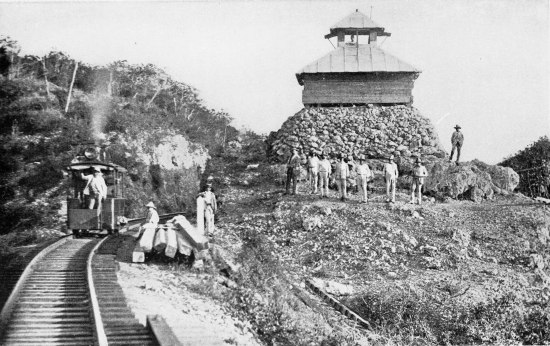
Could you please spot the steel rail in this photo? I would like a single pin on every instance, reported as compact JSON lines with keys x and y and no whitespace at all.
{"x":96,"y":313}
{"x":10,"y":302}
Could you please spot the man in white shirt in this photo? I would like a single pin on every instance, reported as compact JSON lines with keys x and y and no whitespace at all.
{"x":390,"y":174}
{"x":313,"y":170}
{"x":151,"y":219}
{"x":363,"y":175}
{"x":210,"y":208}
{"x":325,"y":170}
{"x":419,"y":174}
{"x":95,"y":189}
{"x":342,"y":174}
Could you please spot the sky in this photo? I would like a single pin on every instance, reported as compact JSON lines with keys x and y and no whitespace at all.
{"x":485,"y":63}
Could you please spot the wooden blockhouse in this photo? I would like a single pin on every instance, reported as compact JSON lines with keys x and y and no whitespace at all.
{"x":357,"y":74}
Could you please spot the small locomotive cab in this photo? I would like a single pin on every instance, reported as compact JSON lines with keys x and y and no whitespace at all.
{"x":83,"y":216}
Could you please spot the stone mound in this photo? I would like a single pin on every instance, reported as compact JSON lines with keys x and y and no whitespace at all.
{"x":375,"y":132}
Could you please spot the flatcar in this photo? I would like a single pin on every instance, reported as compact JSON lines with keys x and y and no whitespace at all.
{"x":109,"y":217}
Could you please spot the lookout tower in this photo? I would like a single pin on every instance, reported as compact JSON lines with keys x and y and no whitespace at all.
{"x":357,"y":73}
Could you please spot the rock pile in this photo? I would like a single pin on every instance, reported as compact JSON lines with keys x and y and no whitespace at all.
{"x":472,"y":180}
{"x":372,"y":131}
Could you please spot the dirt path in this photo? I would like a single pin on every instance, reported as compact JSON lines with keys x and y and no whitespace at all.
{"x":168,"y":290}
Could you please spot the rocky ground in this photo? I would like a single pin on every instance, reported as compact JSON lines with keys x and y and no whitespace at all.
{"x":450,"y":258}
{"x":446,"y":272}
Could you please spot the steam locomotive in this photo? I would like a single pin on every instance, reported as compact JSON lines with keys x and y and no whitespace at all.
{"x":109,"y":217}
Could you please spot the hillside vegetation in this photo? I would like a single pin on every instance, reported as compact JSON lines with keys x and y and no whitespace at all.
{"x":533,"y":165}
{"x":137,"y":110}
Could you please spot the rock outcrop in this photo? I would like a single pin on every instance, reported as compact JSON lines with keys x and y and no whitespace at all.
{"x":163,"y":167}
{"x":372,"y":131}
{"x":473,"y":180}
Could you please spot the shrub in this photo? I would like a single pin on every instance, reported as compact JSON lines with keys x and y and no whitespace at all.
{"x":407,"y":316}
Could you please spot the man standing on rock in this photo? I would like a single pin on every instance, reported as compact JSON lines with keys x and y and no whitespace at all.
{"x":312,"y":171}
{"x":292,"y":171}
{"x":342,"y":173}
{"x":390,"y":174}
{"x":419,"y":174}
{"x":325,"y":170}
{"x":456,"y":140}
{"x":363,"y":174}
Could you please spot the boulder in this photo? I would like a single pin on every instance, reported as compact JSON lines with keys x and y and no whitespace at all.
{"x":504,"y":178}
{"x":464,"y":180}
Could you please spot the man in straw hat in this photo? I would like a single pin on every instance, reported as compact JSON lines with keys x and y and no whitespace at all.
{"x":313,"y":170}
{"x":456,"y":140}
{"x":419,"y":174}
{"x":363,"y":175}
{"x":390,"y":174}
{"x":152,"y":217}
{"x":95,"y":189}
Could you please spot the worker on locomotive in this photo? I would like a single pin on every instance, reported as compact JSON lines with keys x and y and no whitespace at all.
{"x":98,"y":202}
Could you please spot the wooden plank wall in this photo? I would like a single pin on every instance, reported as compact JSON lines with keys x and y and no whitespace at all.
{"x":358,"y":89}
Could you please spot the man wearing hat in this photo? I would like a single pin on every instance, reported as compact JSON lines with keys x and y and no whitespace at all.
{"x":456,"y":140}
{"x":292,"y":171}
{"x":152,"y":214}
{"x":390,"y":174}
{"x":342,"y":174}
{"x":95,"y":190}
{"x":325,"y":169}
{"x":363,"y":174}
{"x":210,"y":208}
{"x":419,"y":174}
{"x":313,"y":170}
{"x":152,"y":217}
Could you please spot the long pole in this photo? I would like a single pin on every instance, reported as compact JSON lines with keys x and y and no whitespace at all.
{"x":46,"y":77}
{"x":71,"y":87}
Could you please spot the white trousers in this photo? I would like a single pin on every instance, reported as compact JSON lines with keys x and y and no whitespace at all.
{"x":390,"y":188}
{"x":323,"y":183}
{"x":342,"y":187}
{"x":362,"y":186}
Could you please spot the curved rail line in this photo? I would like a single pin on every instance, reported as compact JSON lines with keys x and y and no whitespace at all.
{"x":69,"y":295}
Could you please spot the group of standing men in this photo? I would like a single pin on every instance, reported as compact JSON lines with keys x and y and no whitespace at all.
{"x":319,"y":170}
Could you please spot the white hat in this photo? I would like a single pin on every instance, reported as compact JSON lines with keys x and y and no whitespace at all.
{"x":96,"y":169}
{"x":150,"y":205}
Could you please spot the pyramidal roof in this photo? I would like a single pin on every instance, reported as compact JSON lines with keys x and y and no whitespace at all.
{"x":357,"y":59}
{"x":356,"y":23}
{"x":357,"y":20}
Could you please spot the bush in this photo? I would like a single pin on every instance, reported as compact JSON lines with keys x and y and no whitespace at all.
{"x":503,"y":320}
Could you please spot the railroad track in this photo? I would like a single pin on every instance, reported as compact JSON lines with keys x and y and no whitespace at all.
{"x":69,"y":295}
